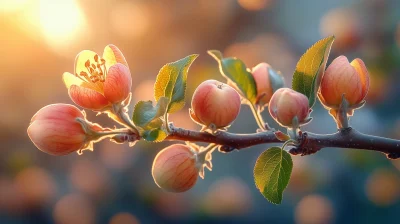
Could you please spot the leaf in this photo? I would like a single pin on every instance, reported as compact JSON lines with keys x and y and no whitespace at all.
{"x":144,"y":112}
{"x":281,"y":136}
{"x":272,"y":173}
{"x":276,"y":79}
{"x":154,"y":135}
{"x":171,"y":82}
{"x":236,"y":71}
{"x":310,"y":69}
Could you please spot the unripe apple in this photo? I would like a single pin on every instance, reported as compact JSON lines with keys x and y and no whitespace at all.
{"x":286,"y":104}
{"x":267,"y":82}
{"x":215,"y":103}
{"x":342,"y":77}
{"x":174,"y":168}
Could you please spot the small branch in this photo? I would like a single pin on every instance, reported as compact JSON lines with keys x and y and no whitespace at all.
{"x":309,"y":143}
{"x":347,"y":138}
{"x":234,"y":141}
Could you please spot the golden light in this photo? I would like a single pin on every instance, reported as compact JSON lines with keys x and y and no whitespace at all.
{"x":382,"y":187}
{"x":321,"y":213}
{"x":61,"y":22}
{"x":228,"y":197}
{"x":12,"y":5}
{"x":74,"y":208}
{"x":254,"y":5}
{"x":130,"y":20}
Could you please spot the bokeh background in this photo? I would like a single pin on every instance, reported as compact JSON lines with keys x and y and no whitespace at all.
{"x":39,"y":41}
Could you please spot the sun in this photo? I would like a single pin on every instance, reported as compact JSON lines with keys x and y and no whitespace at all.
{"x":60,"y":20}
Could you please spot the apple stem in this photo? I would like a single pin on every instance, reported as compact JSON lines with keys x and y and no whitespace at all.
{"x":257,"y":115}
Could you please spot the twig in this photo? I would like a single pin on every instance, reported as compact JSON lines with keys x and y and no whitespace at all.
{"x":309,"y":143}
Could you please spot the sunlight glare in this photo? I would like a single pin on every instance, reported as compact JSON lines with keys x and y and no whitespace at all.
{"x":11,"y":5}
{"x":60,"y":21}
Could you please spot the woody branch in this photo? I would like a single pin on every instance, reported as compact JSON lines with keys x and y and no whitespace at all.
{"x":308,"y":143}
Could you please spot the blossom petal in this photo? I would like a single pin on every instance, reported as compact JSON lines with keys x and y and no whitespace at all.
{"x":82,"y":58}
{"x":340,"y":78}
{"x":87,"y":98}
{"x":362,"y":71}
{"x":59,"y":111}
{"x":70,"y":79}
{"x":118,"y":83}
{"x":56,"y":138}
{"x":113,"y":55}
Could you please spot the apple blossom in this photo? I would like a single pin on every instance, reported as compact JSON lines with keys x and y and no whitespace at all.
{"x":59,"y":129}
{"x":98,"y":83}
{"x":342,"y":77}
{"x":286,"y":104}
{"x":267,"y":82}
{"x":215,"y":104}
{"x":174,"y":168}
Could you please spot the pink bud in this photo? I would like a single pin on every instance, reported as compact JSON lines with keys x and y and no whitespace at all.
{"x":55,"y":130}
{"x":286,"y":104}
{"x":174,"y":168}
{"x":267,"y":82}
{"x":342,"y":77}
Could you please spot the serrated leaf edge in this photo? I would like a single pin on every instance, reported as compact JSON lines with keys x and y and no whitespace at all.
{"x":262,"y":190}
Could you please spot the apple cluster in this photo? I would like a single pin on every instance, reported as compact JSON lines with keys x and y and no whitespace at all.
{"x":103,"y":84}
{"x":215,"y":105}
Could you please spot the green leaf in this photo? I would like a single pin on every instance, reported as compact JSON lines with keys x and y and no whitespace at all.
{"x":144,"y":113}
{"x":236,"y":71}
{"x":272,"y":173}
{"x":310,"y":69}
{"x":171,"y":82}
{"x":155,"y":135}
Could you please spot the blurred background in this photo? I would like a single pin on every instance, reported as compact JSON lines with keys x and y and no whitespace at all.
{"x":113,"y":184}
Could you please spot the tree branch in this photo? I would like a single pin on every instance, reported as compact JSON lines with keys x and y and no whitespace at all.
{"x":309,"y":143}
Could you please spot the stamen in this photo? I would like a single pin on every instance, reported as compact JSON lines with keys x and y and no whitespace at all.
{"x":96,"y":72}
{"x":102,"y":77}
{"x":85,"y":76}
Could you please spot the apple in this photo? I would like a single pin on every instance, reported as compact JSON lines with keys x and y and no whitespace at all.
{"x":215,"y":103}
{"x":267,"y":81}
{"x":174,"y":168}
{"x":286,"y":104}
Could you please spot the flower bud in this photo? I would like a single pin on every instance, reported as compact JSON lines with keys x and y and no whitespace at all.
{"x":215,"y":103}
{"x":286,"y":104}
{"x":174,"y":168}
{"x":55,"y":129}
{"x":267,"y":82}
{"x":342,"y":77}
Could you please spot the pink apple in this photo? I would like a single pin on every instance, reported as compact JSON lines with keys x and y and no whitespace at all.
{"x":286,"y":104}
{"x":174,"y":168}
{"x":264,"y":88}
{"x":215,"y":103}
